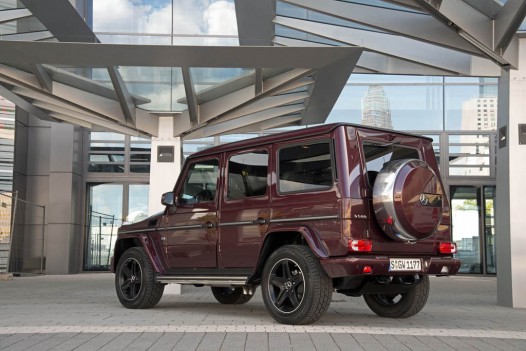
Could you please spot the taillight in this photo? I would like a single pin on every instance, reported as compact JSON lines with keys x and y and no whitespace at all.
{"x":360,"y":245}
{"x":447,"y":247}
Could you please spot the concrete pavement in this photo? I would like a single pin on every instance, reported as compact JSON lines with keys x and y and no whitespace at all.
{"x":81,"y":312}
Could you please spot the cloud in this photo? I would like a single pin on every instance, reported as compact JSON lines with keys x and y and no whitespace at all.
{"x":190,"y":17}
{"x":220,"y":18}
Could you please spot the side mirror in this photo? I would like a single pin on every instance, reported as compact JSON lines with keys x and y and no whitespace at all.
{"x":168,"y":199}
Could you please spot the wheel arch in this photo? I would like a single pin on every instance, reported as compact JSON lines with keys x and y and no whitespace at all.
{"x":128,"y":242}
{"x":282,"y":236}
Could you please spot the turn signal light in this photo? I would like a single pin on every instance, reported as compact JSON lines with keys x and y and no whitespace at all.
{"x":361,"y":245}
{"x":447,"y":248}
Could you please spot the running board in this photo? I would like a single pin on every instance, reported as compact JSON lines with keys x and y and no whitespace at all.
{"x":202,"y":280}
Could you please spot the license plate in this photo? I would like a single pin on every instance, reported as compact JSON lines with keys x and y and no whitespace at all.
{"x":405,"y":265}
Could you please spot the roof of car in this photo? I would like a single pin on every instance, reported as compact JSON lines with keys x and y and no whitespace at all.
{"x":286,"y":136}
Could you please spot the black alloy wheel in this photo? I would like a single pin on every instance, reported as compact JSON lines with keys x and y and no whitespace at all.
{"x":296,"y":289}
{"x":135,"y":280}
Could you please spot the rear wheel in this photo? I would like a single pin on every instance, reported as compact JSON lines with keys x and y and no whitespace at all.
{"x":296,"y":289}
{"x":400,"y":305}
{"x":230,"y":296}
{"x":135,"y":280}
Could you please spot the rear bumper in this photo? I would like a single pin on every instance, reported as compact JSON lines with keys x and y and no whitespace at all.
{"x":354,"y":266}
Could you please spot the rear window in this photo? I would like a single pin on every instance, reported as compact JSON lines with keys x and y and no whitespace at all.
{"x":247,"y":175}
{"x":306,"y":167}
{"x":377,"y":155}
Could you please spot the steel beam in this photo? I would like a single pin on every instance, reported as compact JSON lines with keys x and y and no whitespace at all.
{"x":43,"y":77}
{"x":14,"y":14}
{"x":413,"y":25}
{"x":125,"y":99}
{"x":392,"y":45}
{"x":24,"y":104}
{"x":508,"y":22}
{"x":191,"y":98}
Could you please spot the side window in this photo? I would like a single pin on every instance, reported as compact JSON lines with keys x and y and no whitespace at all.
{"x":200,"y":183}
{"x":376,"y":155}
{"x":305,"y":167}
{"x":247,"y":175}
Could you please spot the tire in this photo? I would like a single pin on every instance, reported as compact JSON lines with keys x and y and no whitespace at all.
{"x":230,"y":296}
{"x":296,"y":289}
{"x":400,"y":305}
{"x":135,"y":280}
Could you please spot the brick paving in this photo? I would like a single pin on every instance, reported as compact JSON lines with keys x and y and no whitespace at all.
{"x":81,"y":312}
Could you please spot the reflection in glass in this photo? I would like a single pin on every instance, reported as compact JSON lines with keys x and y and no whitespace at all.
{"x":471,"y":107}
{"x":489,"y":229}
{"x":162,"y":85}
{"x":204,"y":78}
{"x":465,"y":207}
{"x":104,"y":218}
{"x":137,"y":202}
{"x":412,"y":107}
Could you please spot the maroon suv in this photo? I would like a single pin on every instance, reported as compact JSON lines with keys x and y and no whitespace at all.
{"x":339,"y":207}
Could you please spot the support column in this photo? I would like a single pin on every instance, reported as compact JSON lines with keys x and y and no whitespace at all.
{"x":511,"y":187}
{"x":165,"y":164}
{"x":164,"y":170}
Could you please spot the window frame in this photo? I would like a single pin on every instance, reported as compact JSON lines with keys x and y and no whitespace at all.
{"x":332,"y":155}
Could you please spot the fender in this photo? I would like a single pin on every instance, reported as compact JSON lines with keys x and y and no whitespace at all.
{"x":148,"y":243}
{"x":309,"y":234}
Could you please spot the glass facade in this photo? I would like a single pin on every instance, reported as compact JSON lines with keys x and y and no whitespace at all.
{"x":7,"y":144}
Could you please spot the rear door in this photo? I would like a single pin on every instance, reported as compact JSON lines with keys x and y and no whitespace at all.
{"x":244,"y":215}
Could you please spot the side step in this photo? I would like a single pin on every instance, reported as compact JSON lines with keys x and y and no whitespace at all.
{"x":203,"y":280}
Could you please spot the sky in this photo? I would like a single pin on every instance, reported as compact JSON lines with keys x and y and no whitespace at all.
{"x":203,"y":17}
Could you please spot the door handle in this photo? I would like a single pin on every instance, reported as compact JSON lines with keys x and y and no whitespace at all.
{"x":209,"y":225}
{"x":260,"y":221}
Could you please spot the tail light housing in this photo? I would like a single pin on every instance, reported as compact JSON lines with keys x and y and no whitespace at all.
{"x":360,"y":245}
{"x":446,"y":247}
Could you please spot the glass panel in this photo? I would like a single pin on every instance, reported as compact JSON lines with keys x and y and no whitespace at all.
{"x":375,"y":79}
{"x":23,"y":25}
{"x":305,"y":168}
{"x":10,"y":4}
{"x":204,"y":78}
{"x":215,"y":17}
{"x":134,"y":39}
{"x":131,"y":16}
{"x":247,"y":175}
{"x":206,"y":40}
{"x":138,"y":195}
{"x":7,"y":149}
{"x":104,"y":147}
{"x":465,"y":207}
{"x":200,"y":183}
{"x":135,"y":168}
{"x":106,"y":136}
{"x":104,"y":218}
{"x":162,"y":85}
{"x":417,"y":107}
{"x":471,"y":107}
{"x":489,"y":229}
{"x":469,"y":155}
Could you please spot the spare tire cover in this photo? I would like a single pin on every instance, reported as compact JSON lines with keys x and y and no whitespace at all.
{"x":407,"y":199}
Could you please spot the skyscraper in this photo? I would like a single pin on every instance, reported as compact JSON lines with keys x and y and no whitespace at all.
{"x":376,"y":110}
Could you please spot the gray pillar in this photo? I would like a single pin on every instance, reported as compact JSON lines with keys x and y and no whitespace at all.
{"x":510,"y":217}
{"x":48,"y":171}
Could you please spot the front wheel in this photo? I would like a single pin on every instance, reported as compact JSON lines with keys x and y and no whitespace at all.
{"x":135,"y":280}
{"x":296,"y":289}
{"x":400,"y":305}
{"x":230,"y":296}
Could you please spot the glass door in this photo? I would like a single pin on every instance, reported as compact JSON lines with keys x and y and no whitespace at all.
{"x":109,"y":204}
{"x":473,"y":227}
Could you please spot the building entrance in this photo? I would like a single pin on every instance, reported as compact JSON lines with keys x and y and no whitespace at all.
{"x":473,"y":227}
